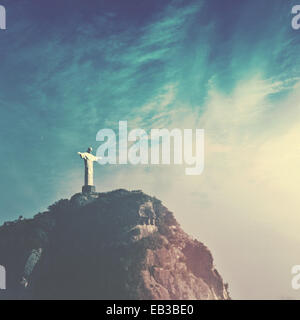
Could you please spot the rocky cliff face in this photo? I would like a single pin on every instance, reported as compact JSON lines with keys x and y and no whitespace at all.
{"x":116,"y":245}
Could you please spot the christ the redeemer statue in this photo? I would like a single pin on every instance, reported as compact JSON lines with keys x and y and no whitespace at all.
{"x":89,"y":159}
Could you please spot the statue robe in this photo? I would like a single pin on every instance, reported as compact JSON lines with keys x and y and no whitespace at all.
{"x":89,"y":167}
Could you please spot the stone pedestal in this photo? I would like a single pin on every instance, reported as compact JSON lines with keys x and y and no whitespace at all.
{"x":88,"y":189}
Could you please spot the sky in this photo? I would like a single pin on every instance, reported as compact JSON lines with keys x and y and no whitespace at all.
{"x":71,"y":68}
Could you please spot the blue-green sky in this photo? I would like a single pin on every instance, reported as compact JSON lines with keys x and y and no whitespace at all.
{"x":70,"y":68}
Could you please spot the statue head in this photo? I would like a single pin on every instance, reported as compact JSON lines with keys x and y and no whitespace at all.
{"x":89,"y":150}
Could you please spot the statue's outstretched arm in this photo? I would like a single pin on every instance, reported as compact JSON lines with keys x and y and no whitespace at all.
{"x":81,"y":155}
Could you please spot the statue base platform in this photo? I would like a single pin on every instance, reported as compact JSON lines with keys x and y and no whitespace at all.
{"x":88,"y":189}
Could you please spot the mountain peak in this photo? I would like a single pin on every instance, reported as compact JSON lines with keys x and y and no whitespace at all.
{"x":116,"y":245}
